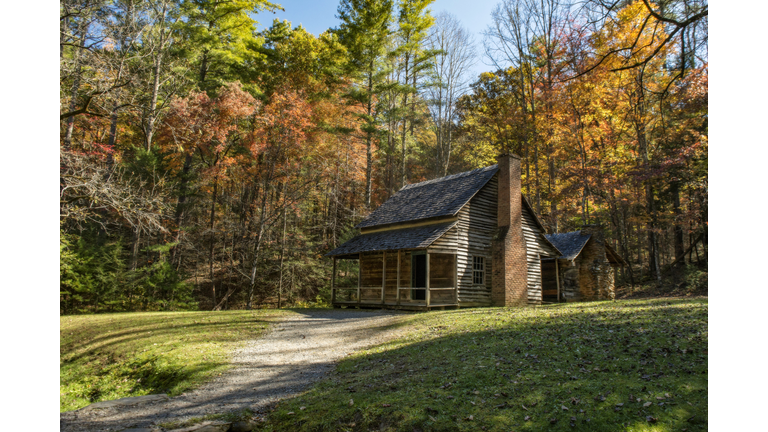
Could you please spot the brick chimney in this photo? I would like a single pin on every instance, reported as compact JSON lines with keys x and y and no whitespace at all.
{"x":509,"y":286}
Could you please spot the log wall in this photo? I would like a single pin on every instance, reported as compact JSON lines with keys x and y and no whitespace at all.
{"x":474,"y":231}
{"x":452,"y":256}
{"x":390,"y":290}
{"x":442,"y":274}
{"x":371,"y":276}
{"x":536,"y":248}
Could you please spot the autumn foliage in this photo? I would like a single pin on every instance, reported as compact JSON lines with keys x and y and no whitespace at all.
{"x":205,"y":167}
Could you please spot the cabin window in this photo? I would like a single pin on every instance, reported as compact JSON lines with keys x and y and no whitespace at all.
{"x":478,"y":270}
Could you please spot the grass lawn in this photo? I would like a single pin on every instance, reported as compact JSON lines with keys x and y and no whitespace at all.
{"x":110,"y":356}
{"x":635,"y":365}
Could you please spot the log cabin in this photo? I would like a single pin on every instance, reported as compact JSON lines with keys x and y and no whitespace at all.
{"x":586,"y":269}
{"x":464,"y":240}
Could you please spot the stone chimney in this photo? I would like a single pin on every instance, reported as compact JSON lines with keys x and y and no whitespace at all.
{"x":596,"y":279}
{"x":509,"y":285}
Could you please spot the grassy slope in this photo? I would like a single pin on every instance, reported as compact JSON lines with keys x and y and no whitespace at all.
{"x":110,"y":356}
{"x":477,"y":369}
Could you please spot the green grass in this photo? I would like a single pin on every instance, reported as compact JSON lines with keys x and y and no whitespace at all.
{"x":601,"y":366}
{"x":110,"y":356}
{"x":229,"y":417}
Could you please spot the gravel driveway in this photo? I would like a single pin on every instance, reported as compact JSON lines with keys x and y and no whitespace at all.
{"x":294,"y":354}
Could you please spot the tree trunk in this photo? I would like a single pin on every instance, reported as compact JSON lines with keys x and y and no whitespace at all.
{"x":678,"y":237}
{"x":259,"y":237}
{"x":403,"y":179}
{"x":181,"y":204}
{"x":212,"y":238}
{"x":152,"y":116}
{"x":368,"y":141}
{"x":282,"y":252}
{"x":74,"y":92}
{"x":203,"y":69}
{"x":135,"y":249}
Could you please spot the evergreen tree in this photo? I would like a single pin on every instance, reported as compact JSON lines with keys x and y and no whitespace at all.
{"x":364,"y":30}
{"x":414,"y":21}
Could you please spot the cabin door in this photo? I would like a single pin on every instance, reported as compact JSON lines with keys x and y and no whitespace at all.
{"x":418,"y":277}
{"x":549,"y":281}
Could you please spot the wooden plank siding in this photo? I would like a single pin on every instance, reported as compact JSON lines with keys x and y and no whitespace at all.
{"x":371,"y":276}
{"x":536,"y":247}
{"x":472,"y":237}
{"x":451,"y":258}
{"x":390,"y":291}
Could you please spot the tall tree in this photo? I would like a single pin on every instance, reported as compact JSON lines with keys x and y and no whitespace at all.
{"x":454,"y":50}
{"x":363,"y":31}
{"x":524,"y":34}
{"x":413,"y":22}
{"x":220,"y":37}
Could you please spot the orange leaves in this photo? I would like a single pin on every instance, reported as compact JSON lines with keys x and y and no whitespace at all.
{"x":207,"y":124}
{"x":282,"y":126}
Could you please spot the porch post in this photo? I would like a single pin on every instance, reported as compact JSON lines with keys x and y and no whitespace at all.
{"x":557,"y":278}
{"x":427,"y":279}
{"x":359,"y":273}
{"x":333,"y":283}
{"x":383,"y":275}
{"x":398,"y":277}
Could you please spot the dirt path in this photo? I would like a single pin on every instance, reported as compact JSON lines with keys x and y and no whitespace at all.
{"x":294,"y":354}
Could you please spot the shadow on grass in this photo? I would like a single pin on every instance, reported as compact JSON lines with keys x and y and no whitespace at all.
{"x":580,"y":367}
{"x":138,"y":328}
{"x":111,"y":356}
{"x":271,"y":369}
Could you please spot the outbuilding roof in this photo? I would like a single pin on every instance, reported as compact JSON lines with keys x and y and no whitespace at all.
{"x":569,"y":244}
{"x":406,"y":238}
{"x":430,"y":199}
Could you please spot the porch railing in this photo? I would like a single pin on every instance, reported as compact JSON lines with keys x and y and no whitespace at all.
{"x":400,"y":299}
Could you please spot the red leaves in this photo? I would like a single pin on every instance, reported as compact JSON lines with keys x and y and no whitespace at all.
{"x":209,"y":125}
{"x":283,"y":124}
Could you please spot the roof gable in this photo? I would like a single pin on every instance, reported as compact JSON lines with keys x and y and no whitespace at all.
{"x":430,"y":199}
{"x":569,"y":244}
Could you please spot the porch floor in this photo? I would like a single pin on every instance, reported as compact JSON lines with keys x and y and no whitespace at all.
{"x":393,"y":305}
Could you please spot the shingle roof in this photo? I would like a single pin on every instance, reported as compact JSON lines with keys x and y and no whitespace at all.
{"x":406,"y":238}
{"x":443,"y":197}
{"x":569,"y":244}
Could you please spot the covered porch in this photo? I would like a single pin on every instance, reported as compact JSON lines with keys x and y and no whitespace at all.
{"x":414,"y":279}
{"x":400,"y":268}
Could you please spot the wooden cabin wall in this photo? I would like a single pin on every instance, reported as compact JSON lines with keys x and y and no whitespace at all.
{"x":476,"y":227}
{"x":390,"y":290}
{"x":447,"y":241}
{"x":535,"y":248}
{"x":371,"y":274}
{"x":442,"y":274}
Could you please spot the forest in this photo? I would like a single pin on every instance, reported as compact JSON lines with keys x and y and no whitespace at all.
{"x":208,"y":164}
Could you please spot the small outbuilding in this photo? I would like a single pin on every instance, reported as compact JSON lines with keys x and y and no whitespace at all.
{"x":584,"y":271}
{"x":469,"y":239}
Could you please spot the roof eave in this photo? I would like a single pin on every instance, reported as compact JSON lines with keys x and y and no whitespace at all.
{"x":421,"y":246}
{"x":539,"y":224}
{"x":478,"y":190}
{"x":396,"y":225}
{"x":620,"y":261}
